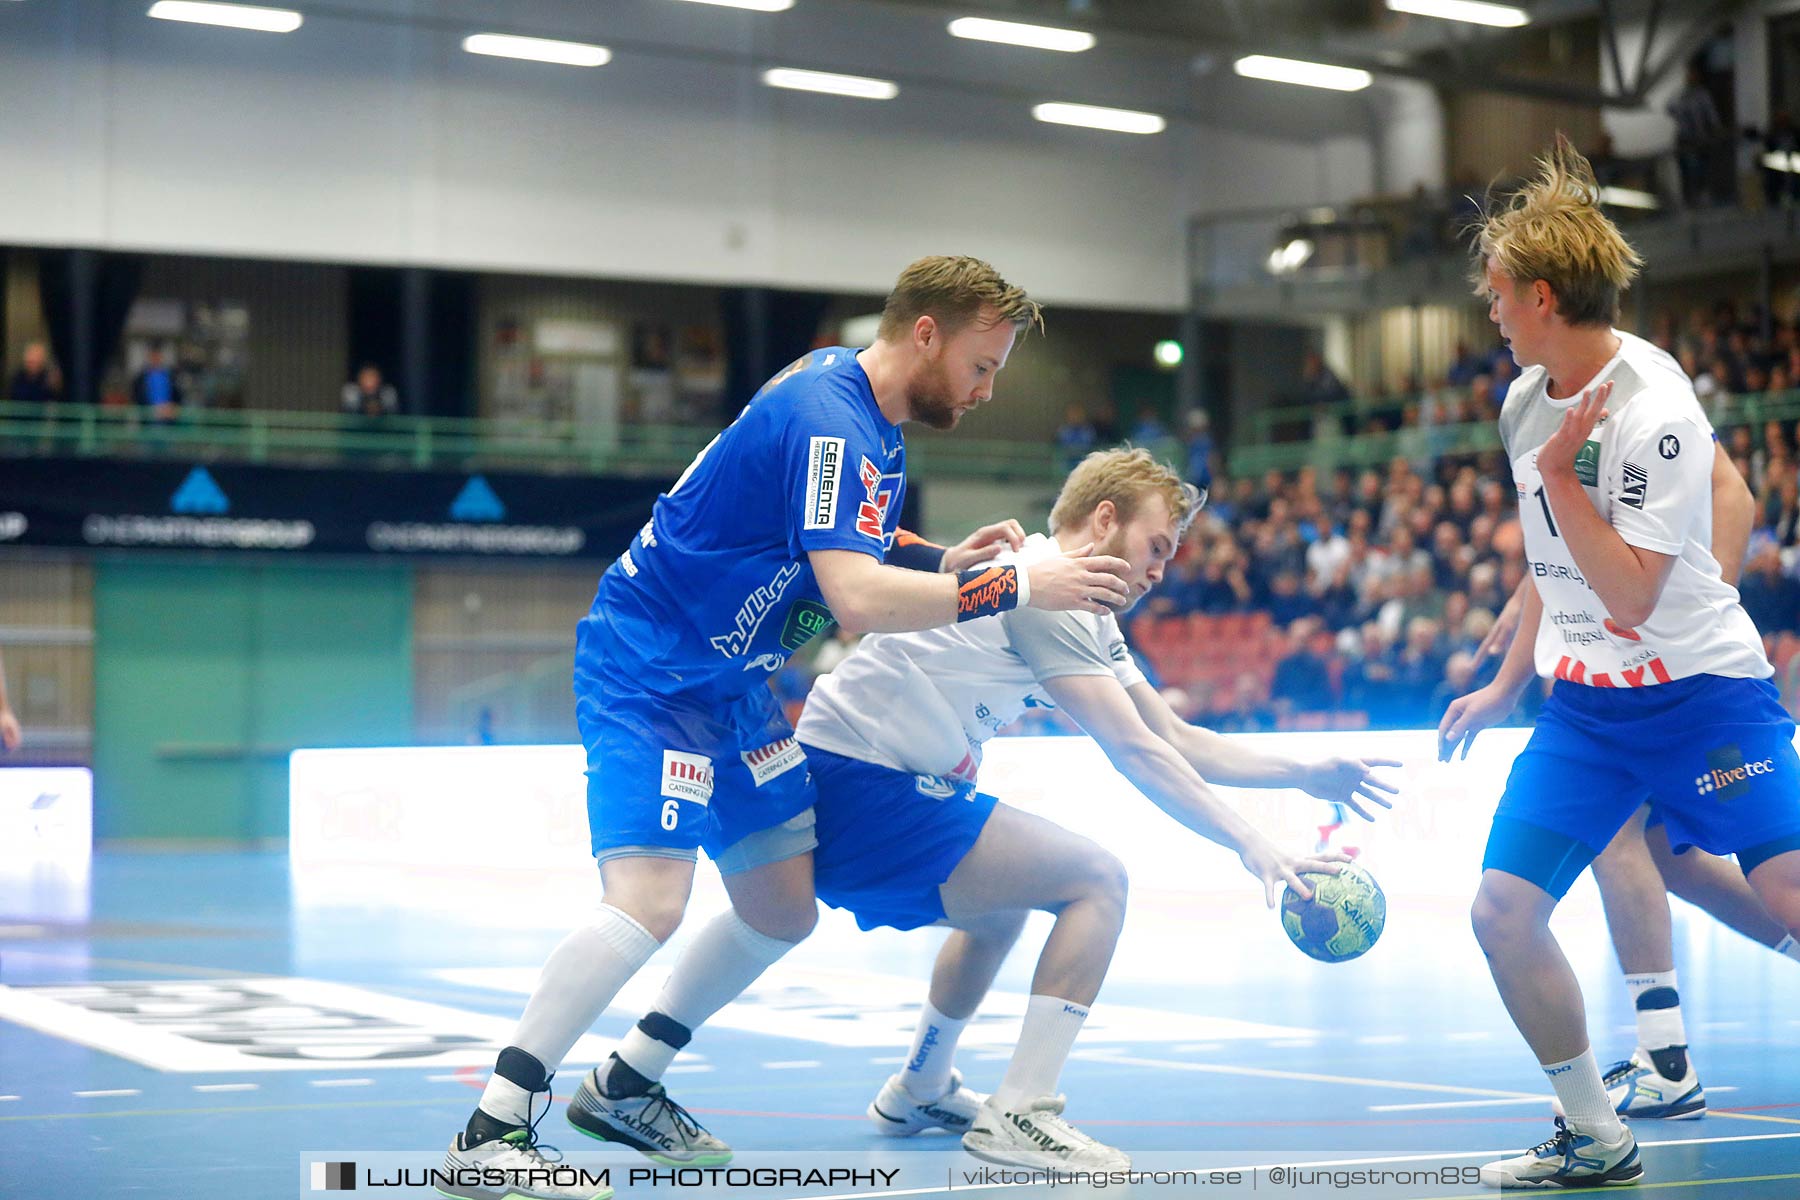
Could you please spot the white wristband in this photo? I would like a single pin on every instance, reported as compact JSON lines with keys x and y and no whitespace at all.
{"x":1024,"y":578}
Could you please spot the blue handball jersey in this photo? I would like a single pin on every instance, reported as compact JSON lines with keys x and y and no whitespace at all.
{"x":716,"y":591}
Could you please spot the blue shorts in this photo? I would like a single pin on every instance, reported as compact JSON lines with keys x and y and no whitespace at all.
{"x":1714,"y":756}
{"x":668,"y":773}
{"x":888,"y":840}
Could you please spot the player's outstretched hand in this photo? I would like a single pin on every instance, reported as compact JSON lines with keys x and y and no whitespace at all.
{"x":1080,"y":581}
{"x":983,"y":545}
{"x":1278,"y":869}
{"x":1469,"y":715}
{"x":1350,"y":782}
{"x":10,"y":734}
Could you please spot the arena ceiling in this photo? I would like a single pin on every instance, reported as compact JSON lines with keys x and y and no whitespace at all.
{"x":1169,"y":56}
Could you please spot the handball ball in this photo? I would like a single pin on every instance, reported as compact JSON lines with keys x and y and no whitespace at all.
{"x":1342,"y":920}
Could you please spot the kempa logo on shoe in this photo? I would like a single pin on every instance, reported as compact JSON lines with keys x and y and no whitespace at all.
{"x":1729,"y":776}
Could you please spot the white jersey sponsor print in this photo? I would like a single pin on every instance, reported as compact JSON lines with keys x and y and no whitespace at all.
{"x":926,"y":702}
{"x":1647,"y":469}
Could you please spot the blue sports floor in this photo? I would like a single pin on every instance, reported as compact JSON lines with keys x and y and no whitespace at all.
{"x":1213,"y":1041}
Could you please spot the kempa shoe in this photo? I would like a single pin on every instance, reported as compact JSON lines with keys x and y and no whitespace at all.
{"x":1568,"y":1159}
{"x":895,"y":1112}
{"x":1637,"y":1089}
{"x":1038,"y":1136}
{"x":468,"y":1172}
{"x":651,"y":1123}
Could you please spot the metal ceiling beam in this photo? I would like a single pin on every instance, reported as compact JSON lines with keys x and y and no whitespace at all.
{"x":1688,"y":43}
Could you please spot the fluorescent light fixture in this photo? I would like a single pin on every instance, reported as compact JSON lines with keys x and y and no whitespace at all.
{"x":1782,"y":160}
{"x":1168,"y":353}
{"x":832,"y":85}
{"x":1016,"y":33}
{"x":1306,"y":74}
{"x":1285,"y":260}
{"x":1475,"y":12}
{"x":1620,"y":197}
{"x":569,"y":54}
{"x":752,"y":5}
{"x":1089,"y":116}
{"x":234,"y":16}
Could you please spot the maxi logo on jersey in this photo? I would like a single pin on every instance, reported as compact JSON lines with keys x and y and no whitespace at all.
{"x":766,"y":762}
{"x":871,"y":514}
{"x":1575,"y":671}
{"x":757,"y":605}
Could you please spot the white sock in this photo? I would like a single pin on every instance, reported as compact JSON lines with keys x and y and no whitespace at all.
{"x":1789,"y":946}
{"x":1051,"y":1025}
{"x":927,"y":1071}
{"x":1658,"y":1028}
{"x":583,"y":974}
{"x":723,"y":959}
{"x":1583,"y":1095}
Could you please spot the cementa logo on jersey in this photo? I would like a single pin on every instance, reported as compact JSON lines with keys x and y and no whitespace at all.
{"x":1728,"y":776}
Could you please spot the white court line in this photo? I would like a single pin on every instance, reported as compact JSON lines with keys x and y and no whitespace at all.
{"x":112,"y":1092}
{"x":342,"y":1082}
{"x":1341,"y":1162}
{"x":6,"y":1098}
{"x":696,"y":1068}
{"x":894,"y":1060}
{"x":226,"y":1087}
{"x":443,"y":1079}
{"x":799,"y":1064}
{"x":1545,"y":1099}
{"x":1303,"y":1076}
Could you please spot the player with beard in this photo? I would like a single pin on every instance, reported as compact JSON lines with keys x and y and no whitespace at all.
{"x":778,"y":527}
{"x":894,"y":736}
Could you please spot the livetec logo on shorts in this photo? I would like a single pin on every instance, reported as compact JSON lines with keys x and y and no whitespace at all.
{"x":1729,"y":775}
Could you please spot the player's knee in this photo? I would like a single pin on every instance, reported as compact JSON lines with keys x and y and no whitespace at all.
{"x":659,"y":915}
{"x":1106,"y":879}
{"x":787,"y":921}
{"x":1497,"y":922}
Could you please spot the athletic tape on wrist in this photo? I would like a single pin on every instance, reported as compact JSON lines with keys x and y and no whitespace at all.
{"x":989,"y":591}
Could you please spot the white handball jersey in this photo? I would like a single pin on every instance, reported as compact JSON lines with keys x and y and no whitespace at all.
{"x":1647,"y":468}
{"x":925,"y":702}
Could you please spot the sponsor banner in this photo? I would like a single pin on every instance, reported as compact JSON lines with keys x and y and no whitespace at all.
{"x":172,"y":505}
{"x":270,"y":1024}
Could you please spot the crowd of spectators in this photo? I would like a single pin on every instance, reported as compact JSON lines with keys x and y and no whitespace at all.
{"x":1325,"y":596}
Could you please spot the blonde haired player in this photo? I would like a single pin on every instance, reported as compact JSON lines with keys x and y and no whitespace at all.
{"x":894,"y":737}
{"x":1661,"y":686}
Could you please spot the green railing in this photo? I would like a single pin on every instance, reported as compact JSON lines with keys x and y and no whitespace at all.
{"x":1433,"y":441}
{"x":404,"y":442}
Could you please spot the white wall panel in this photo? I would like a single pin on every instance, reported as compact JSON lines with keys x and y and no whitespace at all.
{"x":369,"y":136}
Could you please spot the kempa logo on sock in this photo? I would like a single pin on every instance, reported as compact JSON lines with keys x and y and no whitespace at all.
{"x":931,"y":1039}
